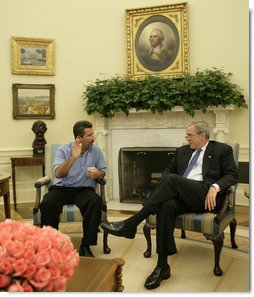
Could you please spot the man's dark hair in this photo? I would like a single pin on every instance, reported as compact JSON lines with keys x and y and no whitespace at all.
{"x":78,"y":128}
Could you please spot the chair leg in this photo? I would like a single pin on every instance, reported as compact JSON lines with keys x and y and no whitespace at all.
{"x":106,"y":248}
{"x":218,"y":244}
{"x":183,"y":234}
{"x":147,"y":233}
{"x":232,"y":226}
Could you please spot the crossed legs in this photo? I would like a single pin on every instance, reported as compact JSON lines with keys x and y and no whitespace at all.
{"x":174,"y":195}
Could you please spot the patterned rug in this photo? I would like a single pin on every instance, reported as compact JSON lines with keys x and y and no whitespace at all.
{"x":191,"y":267}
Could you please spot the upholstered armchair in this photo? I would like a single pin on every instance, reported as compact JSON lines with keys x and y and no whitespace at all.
{"x":212,"y":225}
{"x":70,"y":212}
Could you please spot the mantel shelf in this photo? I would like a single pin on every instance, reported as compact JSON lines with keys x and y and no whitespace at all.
{"x":180,"y":109}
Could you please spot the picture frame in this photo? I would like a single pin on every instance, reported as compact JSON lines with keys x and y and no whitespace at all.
{"x":157,"y":41}
{"x":33,"y":101}
{"x":33,"y":56}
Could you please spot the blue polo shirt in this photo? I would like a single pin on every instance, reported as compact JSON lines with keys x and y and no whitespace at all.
{"x":76,"y":176}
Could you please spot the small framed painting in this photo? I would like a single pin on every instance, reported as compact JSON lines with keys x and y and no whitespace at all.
{"x":33,"y":101}
{"x":34,"y":56}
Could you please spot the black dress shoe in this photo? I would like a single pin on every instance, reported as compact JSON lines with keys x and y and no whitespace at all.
{"x":119,"y":229}
{"x":84,"y":251}
{"x":154,"y":279}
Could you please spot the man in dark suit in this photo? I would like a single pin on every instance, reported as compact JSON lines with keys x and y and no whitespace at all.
{"x":183,"y":189}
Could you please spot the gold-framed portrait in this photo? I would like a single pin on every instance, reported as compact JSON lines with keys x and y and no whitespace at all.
{"x":34,"y":56}
{"x":33,"y":101}
{"x":157,"y":41}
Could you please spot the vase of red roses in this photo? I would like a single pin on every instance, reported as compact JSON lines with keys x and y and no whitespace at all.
{"x":34,"y":259}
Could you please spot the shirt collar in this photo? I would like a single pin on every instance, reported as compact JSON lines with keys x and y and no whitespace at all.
{"x":203,"y":148}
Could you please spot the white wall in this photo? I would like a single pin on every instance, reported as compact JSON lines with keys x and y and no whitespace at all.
{"x":90,"y":41}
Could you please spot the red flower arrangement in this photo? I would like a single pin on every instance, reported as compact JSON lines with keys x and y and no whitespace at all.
{"x":34,"y":259}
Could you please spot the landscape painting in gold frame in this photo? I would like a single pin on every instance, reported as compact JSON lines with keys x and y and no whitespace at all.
{"x":33,"y":101}
{"x":34,"y":56}
{"x":157,"y":41}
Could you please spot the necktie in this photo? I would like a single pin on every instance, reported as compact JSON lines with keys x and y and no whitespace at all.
{"x":193,"y":161}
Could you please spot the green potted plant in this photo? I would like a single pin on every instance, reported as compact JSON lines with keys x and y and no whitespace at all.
{"x":207,"y":88}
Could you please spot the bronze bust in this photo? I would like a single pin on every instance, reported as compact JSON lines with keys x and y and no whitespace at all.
{"x":39,"y":128}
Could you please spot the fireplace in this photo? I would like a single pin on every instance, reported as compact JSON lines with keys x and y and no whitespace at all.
{"x":144,"y":129}
{"x":139,"y":169}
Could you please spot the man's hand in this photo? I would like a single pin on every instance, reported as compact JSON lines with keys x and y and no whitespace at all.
{"x":63,"y":169}
{"x":76,"y":148}
{"x":93,"y":173}
{"x":210,"y":200}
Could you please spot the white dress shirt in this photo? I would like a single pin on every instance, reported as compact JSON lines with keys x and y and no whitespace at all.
{"x":196,"y":172}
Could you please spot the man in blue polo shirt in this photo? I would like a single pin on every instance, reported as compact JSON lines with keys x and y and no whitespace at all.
{"x":77,"y":166}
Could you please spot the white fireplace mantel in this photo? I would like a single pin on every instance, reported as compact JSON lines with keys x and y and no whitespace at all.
{"x":144,"y":128}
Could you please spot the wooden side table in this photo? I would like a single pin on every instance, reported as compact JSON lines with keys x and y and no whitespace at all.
{"x":24,"y":161}
{"x":5,"y":192}
{"x":97,"y":275}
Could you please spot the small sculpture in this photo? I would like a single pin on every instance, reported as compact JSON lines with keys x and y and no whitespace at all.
{"x":39,"y":128}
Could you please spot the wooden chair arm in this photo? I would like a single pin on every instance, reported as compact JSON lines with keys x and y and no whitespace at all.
{"x":102,"y":183}
{"x":222,"y":211}
{"x":224,"y":207}
{"x":43,"y":181}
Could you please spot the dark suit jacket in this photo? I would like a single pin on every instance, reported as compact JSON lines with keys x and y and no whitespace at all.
{"x":218,"y":164}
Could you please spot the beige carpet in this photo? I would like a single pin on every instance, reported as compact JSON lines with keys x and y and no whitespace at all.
{"x":191,"y":267}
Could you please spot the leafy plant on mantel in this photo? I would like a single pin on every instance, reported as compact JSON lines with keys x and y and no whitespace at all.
{"x":207,"y":88}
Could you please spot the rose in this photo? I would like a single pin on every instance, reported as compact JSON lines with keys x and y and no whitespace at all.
{"x":20,"y":266}
{"x":42,"y":259}
{"x":2,"y":251}
{"x":30,"y":271}
{"x":15,"y":287}
{"x":4,"y":236}
{"x":26,"y":287}
{"x":42,"y":244}
{"x":5,"y":280}
{"x":30,"y":254}
{"x":42,"y":275}
{"x":6,"y":266}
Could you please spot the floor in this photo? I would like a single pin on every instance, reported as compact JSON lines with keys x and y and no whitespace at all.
{"x":191,"y":267}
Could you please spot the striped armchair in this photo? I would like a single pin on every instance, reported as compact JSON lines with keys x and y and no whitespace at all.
{"x":212,"y":225}
{"x":71,"y":212}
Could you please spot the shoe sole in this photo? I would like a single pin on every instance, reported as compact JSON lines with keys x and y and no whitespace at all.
{"x":164,"y":277}
{"x":119,"y":234}
{"x":126,"y":235}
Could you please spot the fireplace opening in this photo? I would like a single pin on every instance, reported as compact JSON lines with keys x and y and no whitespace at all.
{"x":139,"y":169}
